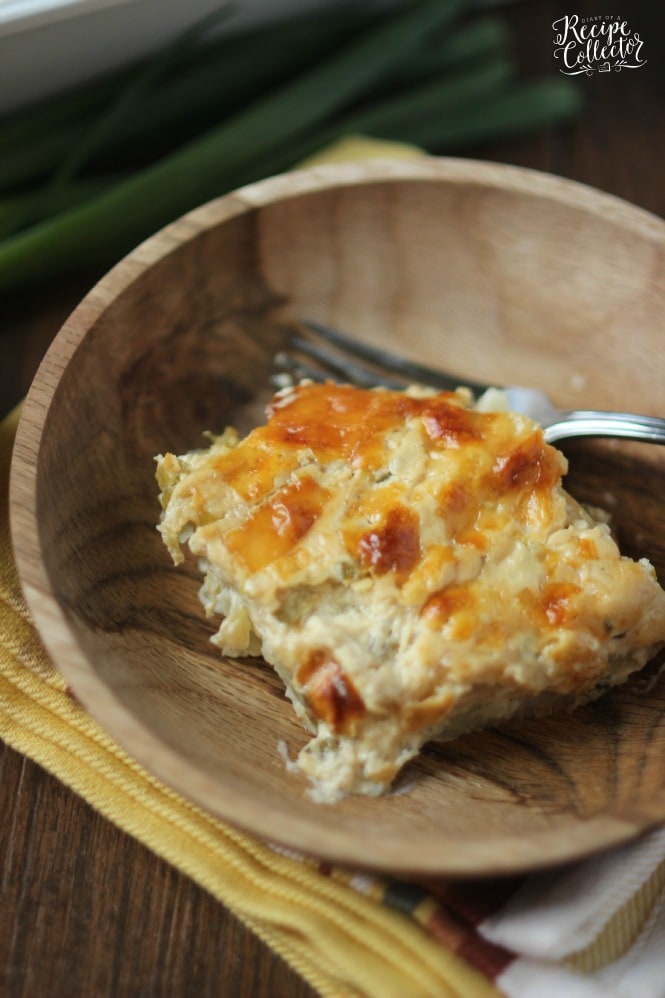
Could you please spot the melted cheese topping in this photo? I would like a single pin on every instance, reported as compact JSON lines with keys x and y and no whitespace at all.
{"x":410,"y":565}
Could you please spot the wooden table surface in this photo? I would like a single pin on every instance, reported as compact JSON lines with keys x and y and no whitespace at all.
{"x":86,"y":910}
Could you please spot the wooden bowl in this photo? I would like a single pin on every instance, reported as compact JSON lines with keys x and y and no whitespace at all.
{"x":493,"y":272}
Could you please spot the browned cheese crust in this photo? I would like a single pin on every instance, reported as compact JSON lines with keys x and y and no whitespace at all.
{"x":412,"y":568}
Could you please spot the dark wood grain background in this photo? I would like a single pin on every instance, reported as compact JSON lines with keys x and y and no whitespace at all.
{"x":84,"y":909}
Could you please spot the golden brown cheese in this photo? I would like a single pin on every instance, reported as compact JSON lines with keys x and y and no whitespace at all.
{"x":411,"y":566}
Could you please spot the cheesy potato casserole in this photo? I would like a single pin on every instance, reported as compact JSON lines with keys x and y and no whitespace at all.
{"x":411,"y":566}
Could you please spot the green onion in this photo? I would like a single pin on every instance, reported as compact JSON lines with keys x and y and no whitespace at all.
{"x":111,"y":223}
{"x":59,"y":112}
{"x":474,"y":42}
{"x":88,"y":175}
{"x":218,"y":78}
{"x":106,"y":126}
{"x":13,"y":210}
{"x":518,"y":109}
{"x":433,"y":99}
{"x":24,"y":162}
{"x":513,"y":109}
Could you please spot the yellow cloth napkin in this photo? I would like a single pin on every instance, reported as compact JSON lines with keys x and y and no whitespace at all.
{"x":354,"y":147}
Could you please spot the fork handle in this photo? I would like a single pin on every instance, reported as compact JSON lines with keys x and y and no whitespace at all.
{"x":594,"y":423}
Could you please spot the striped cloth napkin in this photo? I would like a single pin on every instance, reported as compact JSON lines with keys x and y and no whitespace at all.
{"x":591,"y":929}
{"x":595,"y":929}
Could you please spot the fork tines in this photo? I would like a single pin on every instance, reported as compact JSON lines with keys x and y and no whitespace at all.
{"x":326,"y":353}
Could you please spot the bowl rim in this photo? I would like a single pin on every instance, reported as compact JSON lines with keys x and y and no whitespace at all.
{"x":545,"y":848}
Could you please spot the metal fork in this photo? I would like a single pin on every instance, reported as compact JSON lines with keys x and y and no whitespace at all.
{"x":330,"y":354}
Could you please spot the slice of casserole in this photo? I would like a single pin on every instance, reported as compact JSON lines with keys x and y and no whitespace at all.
{"x":412,"y":568}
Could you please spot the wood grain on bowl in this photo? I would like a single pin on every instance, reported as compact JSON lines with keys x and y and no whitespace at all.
{"x":492,"y":272}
